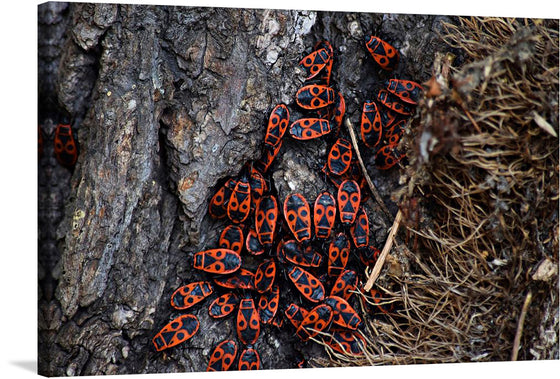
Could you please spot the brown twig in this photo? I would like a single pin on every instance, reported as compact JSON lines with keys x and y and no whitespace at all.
{"x":381,"y":260}
{"x":519,"y":330}
{"x":363,"y":167}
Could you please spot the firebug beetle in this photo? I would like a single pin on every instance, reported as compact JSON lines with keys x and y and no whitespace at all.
{"x":177,"y":331}
{"x":308,"y":285}
{"x":344,"y":284}
{"x":191,"y":294}
{"x":393,"y":102}
{"x":343,"y":313}
{"x":223,"y":305}
{"x":217,"y":261}
{"x":277,"y":125}
{"x":239,"y":205}
{"x":266,"y":219}
{"x":387,"y":157}
{"x":232,"y":238}
{"x":264,"y":276}
{"x":249,"y":359}
{"x":294,"y":253}
{"x":360,"y":229}
{"x":65,"y":146}
{"x":324,"y":214}
{"x":314,"y":62}
{"x":340,"y":156}
{"x":339,"y":251}
{"x":384,"y":54}
{"x":324,"y":76}
{"x":268,"y":304}
{"x":248,"y":324}
{"x":407,"y":90}
{"x":217,"y":207}
{"x":315,"y":96}
{"x":309,"y":128}
{"x":298,"y":216}
{"x":222,"y":356}
{"x":317,"y":320}
{"x":348,"y":200}
{"x":371,"y":128}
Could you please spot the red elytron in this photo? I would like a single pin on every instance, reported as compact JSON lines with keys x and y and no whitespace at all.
{"x":324,"y":214}
{"x":298,"y":216}
{"x":317,"y":320}
{"x":264,"y":276}
{"x":191,"y":294}
{"x":292,"y":252}
{"x":348,"y":200}
{"x":360,"y":229}
{"x":315,"y":96}
{"x":406,"y":90}
{"x":346,"y":341}
{"x":223,"y":305}
{"x":384,"y":54}
{"x":277,"y":125}
{"x":248,"y":323}
{"x":231,"y":238}
{"x":222,"y":356}
{"x":345,"y":284}
{"x":249,"y":360}
{"x":315,"y":62}
{"x":340,"y":156}
{"x":177,"y":331}
{"x":309,"y":128}
{"x":266,"y":219}
{"x":387,"y":157}
{"x":307,"y":284}
{"x":393,"y":102}
{"x":242,"y":279}
{"x":217,"y":207}
{"x":371,"y":128}
{"x":239,"y":205}
{"x":65,"y":146}
{"x":252,"y":243}
{"x":343,"y":313}
{"x":339,"y":251}
{"x":217,"y":261}
{"x":268,"y":305}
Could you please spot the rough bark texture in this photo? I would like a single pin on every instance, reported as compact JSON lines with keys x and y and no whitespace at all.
{"x":168,"y":102}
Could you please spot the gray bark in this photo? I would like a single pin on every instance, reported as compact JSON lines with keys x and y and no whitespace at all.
{"x":167,"y":102}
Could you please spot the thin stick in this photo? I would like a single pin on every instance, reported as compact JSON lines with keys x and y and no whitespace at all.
{"x":381,"y":260}
{"x":363,"y":167}
{"x":519,"y":331}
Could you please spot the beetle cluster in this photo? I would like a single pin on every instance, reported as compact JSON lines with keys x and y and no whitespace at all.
{"x":270,"y":248}
{"x":383,"y":120}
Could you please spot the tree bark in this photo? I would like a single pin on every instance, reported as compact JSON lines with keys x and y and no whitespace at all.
{"x":167,"y":102}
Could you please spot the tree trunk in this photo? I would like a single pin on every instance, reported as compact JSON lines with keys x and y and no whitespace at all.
{"x":167,"y":102}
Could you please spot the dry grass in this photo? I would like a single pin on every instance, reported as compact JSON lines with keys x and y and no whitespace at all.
{"x":479,"y":205}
